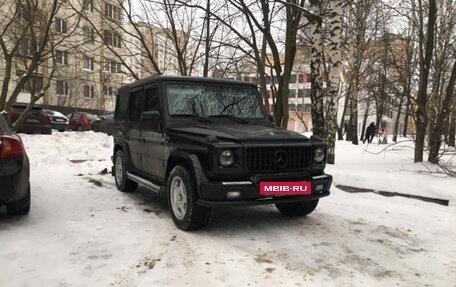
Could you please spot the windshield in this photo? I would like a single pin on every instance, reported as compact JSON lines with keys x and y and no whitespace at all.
{"x":92,"y":117}
{"x":206,"y":101}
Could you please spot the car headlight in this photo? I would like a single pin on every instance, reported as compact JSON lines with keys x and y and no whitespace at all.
{"x":319,"y":154}
{"x":226,"y":158}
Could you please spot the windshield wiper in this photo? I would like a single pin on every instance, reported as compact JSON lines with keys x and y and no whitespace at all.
{"x":195,"y":117}
{"x":233,"y":118}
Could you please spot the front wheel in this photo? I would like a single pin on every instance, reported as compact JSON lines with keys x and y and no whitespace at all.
{"x":185,"y":211}
{"x":122,"y":182}
{"x":297,"y":208}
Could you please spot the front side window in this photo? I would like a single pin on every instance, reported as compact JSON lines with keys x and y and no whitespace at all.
{"x":207,"y":101}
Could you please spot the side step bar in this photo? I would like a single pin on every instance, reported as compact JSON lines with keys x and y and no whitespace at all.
{"x":145,"y":182}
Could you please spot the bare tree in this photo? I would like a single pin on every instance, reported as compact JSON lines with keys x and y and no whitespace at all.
{"x":358,"y":39}
{"x":425,"y":50}
{"x":444,"y":78}
{"x":25,"y":41}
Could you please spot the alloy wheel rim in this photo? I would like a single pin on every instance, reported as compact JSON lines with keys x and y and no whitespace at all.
{"x":178,"y":197}
{"x":119,"y":170}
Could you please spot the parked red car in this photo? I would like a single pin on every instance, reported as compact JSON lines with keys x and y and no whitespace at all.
{"x":81,"y":121}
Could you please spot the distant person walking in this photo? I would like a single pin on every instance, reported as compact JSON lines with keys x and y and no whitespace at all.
{"x":370,"y":133}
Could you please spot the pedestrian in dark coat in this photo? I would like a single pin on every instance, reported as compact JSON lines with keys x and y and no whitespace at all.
{"x":370,"y":133}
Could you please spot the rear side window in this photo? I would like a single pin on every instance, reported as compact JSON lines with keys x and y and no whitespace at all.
{"x":136,"y":105}
{"x":121,"y":106}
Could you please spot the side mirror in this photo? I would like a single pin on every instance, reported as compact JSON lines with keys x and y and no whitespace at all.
{"x":150,"y":116}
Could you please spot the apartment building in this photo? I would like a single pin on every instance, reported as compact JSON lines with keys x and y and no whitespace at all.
{"x":90,"y":47}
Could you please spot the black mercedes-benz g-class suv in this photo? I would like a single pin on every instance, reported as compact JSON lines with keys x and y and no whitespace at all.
{"x":210,"y":142}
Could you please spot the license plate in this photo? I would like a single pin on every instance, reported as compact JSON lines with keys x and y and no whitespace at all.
{"x":59,"y":120}
{"x":272,"y":188}
{"x":32,"y":121}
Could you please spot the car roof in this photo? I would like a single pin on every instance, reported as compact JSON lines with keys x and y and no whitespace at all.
{"x":185,"y":79}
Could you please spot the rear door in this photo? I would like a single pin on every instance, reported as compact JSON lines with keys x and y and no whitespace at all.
{"x":152,"y":137}
{"x":133,"y":133}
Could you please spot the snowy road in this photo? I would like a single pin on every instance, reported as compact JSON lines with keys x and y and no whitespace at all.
{"x":82,"y":232}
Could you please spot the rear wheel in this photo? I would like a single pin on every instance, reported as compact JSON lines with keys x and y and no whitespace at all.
{"x":182,"y":200}
{"x":297,"y":208}
{"x":122,"y":182}
{"x":21,"y":206}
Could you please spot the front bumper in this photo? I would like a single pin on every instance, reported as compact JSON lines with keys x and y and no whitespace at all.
{"x":248,"y":193}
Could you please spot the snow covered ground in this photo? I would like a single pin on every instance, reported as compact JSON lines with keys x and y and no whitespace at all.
{"x":82,"y":232}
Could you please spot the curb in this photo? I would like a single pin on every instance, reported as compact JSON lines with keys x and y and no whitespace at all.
{"x":352,"y":189}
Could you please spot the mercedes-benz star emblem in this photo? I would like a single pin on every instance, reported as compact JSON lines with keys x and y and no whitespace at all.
{"x":280,"y":158}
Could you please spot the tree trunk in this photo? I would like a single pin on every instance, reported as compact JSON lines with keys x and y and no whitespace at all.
{"x":333,"y":81}
{"x":435,"y":137}
{"x":421,"y":117}
{"x":316,"y":85}
{"x":398,"y":116}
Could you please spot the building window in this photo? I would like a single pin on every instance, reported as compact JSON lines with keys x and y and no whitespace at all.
{"x":303,"y":93}
{"x":109,"y":91}
{"x":112,"y":38}
{"x":89,"y":91}
{"x":88,"y":5}
{"x":89,"y":34}
{"x":61,"y":26}
{"x":34,"y":82}
{"x":113,"y":12}
{"x":293,"y":78}
{"x":112,"y":66}
{"x":61,"y":57}
{"x":292,"y":93}
{"x":87,"y":63}
{"x":62,"y":88}
{"x":25,"y":47}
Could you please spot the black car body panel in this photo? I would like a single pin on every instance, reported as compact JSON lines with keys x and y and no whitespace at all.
{"x":103,"y":124}
{"x":217,"y":135}
{"x":37,"y":121}
{"x":58,"y":120}
{"x":14,"y":171}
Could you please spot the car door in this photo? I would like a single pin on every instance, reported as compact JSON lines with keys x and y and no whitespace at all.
{"x":152,"y":137}
{"x":133,"y":133}
{"x":73,"y":121}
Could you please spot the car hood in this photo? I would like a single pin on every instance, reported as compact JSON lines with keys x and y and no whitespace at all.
{"x":238,"y":133}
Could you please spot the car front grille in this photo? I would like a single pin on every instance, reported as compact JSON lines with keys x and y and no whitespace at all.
{"x":283,"y":159}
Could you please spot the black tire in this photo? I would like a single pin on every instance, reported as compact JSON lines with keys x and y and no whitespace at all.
{"x":296,"y":209}
{"x":21,"y":206}
{"x":182,"y":200}
{"x":122,"y":182}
